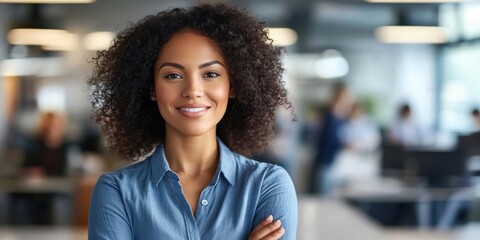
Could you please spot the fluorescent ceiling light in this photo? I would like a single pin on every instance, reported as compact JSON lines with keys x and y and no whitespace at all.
{"x":49,"y":39}
{"x":416,"y":1}
{"x":41,"y":67}
{"x":96,"y":41}
{"x":282,"y":36}
{"x":411,"y":34}
{"x":47,"y":1}
{"x":329,"y":65}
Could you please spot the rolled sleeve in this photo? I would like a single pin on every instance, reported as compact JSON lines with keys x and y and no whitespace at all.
{"x":278,"y":199}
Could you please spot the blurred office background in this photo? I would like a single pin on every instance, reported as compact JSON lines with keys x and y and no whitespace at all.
{"x":386,"y":145}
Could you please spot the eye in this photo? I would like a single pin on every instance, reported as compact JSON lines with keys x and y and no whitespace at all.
{"x":211,"y":75}
{"x":173,"y":76}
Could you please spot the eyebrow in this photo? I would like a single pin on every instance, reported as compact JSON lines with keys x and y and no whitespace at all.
{"x":203,"y":65}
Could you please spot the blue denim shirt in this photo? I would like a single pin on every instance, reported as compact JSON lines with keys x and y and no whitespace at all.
{"x":145,"y":201}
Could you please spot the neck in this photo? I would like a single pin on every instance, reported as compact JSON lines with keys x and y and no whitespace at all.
{"x":191,"y":155}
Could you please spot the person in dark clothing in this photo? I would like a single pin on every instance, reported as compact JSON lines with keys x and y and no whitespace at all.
{"x":46,"y":157}
{"x":329,"y":141}
{"x":48,"y":154}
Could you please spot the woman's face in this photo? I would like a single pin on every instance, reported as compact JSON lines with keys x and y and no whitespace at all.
{"x":192,"y":86}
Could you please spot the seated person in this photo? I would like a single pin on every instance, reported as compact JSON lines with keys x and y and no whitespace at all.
{"x":46,"y":157}
{"x":48,"y":153}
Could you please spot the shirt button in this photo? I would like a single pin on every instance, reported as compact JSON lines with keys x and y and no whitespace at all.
{"x":204,"y":202}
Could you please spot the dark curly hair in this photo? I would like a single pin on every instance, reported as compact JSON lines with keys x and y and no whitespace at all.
{"x":123,"y":77}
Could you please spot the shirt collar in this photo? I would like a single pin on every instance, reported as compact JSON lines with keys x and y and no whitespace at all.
{"x":226,"y":167}
{"x":227,"y":163}
{"x":159,"y":164}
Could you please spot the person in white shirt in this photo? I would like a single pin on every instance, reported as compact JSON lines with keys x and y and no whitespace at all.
{"x":405,"y":131}
{"x":360,"y":133}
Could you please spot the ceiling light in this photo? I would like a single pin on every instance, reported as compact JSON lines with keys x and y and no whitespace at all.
{"x":96,"y":41}
{"x":41,"y":67}
{"x":47,"y":1}
{"x":411,"y":34}
{"x":282,"y":36}
{"x":416,"y":1}
{"x":49,"y":39}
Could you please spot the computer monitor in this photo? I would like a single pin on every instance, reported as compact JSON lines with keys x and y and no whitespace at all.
{"x":470,"y":144}
{"x":438,"y":167}
{"x":393,"y":161}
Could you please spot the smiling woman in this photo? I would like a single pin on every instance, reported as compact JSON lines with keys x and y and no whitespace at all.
{"x":199,"y":88}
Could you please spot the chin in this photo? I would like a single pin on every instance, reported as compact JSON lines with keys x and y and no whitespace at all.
{"x":195,"y":131}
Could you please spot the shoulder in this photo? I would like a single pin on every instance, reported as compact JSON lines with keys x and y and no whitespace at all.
{"x":130,"y":174}
{"x":270,"y":175}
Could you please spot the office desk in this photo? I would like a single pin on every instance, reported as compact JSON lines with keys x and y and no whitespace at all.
{"x":334,"y":220}
{"x":392,"y":191}
{"x":37,"y":185}
{"x":42,"y":233}
{"x":72,"y":196}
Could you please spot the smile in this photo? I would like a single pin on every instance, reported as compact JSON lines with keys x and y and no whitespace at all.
{"x":193,"y":110}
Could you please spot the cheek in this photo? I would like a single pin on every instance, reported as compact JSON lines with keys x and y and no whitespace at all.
{"x":222,"y":94}
{"x":164,"y":98}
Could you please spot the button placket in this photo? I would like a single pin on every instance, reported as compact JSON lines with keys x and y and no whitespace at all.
{"x":204,"y":204}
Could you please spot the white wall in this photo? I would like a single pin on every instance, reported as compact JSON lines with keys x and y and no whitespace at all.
{"x":415,"y":81}
{"x":396,"y":74}
{"x":388,"y":74}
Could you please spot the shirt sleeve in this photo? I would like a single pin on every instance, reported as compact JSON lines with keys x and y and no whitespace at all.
{"x":278,"y":198}
{"x":107,"y":217}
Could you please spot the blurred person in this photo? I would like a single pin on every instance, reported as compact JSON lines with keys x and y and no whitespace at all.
{"x":405,"y":131}
{"x":195,"y":90}
{"x":329,"y":141}
{"x":358,"y":159}
{"x":360,"y":133}
{"x":47,"y":155}
{"x":476,"y":119}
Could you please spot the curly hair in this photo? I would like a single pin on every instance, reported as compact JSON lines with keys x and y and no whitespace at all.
{"x":123,"y":77}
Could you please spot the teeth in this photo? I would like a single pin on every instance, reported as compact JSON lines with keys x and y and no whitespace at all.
{"x":193,"y":109}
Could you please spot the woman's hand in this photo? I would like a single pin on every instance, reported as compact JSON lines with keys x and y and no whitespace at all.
{"x":267,"y":230}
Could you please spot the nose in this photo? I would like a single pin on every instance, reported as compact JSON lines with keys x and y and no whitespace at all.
{"x":193,"y":88}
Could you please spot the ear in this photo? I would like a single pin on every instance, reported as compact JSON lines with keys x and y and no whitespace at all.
{"x":231,"y":93}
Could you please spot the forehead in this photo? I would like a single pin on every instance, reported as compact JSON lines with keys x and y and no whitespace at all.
{"x":187,"y":45}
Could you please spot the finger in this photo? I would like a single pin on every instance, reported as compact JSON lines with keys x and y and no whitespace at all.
{"x":267,"y":229}
{"x":277,"y":234}
{"x":265,"y":221}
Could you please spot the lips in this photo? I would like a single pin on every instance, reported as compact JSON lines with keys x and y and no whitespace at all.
{"x":193,"y":110}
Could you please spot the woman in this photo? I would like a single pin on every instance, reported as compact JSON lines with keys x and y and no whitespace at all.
{"x":195,"y":90}
{"x":48,"y":155}
{"x":45,"y":157}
